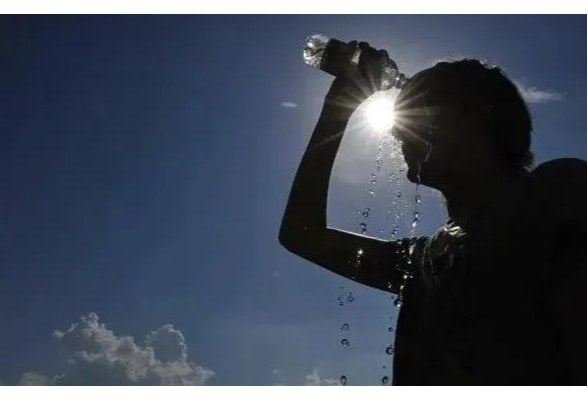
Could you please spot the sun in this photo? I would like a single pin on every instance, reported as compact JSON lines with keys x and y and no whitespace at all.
{"x":379,"y":112}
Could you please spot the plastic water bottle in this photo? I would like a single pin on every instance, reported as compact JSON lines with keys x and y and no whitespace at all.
{"x":330,"y":55}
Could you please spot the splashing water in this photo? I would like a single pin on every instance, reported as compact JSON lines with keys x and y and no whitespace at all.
{"x":394,"y":182}
{"x":394,"y":206}
{"x":417,"y":196}
{"x":373,"y":181}
{"x":416,"y":214}
{"x":379,"y":165}
{"x":415,"y":221}
{"x":345,"y":297}
{"x":364,"y":214}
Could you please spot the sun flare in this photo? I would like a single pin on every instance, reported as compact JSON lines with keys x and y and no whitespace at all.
{"x":379,"y":112}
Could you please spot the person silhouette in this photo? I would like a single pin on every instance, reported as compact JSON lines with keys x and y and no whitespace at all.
{"x":497,"y":296}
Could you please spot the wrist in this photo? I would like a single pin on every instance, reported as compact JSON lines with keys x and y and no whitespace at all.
{"x":345,"y":96}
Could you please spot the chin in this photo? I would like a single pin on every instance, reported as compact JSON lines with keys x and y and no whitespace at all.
{"x":419,"y":176}
{"x":412,"y":175}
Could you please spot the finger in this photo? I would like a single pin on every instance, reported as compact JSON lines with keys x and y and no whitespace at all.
{"x":370,"y":67}
{"x":386,"y":61}
{"x":383,"y":55}
{"x":365,"y":59}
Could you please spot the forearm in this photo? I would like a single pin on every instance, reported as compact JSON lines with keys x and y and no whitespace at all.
{"x":307,"y":204}
{"x":304,"y":229}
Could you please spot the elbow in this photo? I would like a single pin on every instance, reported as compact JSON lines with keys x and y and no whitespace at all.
{"x":288,"y":236}
{"x":293,"y":236}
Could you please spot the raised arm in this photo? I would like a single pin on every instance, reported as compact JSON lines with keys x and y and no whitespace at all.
{"x":304,"y":230}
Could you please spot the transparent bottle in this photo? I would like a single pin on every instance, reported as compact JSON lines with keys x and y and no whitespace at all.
{"x":331,"y":55}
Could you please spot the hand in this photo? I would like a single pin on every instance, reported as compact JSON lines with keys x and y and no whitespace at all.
{"x":356,"y":83}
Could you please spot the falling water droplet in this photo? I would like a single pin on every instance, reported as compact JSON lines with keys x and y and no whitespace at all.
{"x":399,"y":194}
{"x":363,"y":227}
{"x":341,"y":303}
{"x":344,"y":342}
{"x":390,"y":350}
{"x":350,"y":298}
{"x":385,"y":380}
{"x":391,"y":329}
{"x":345,"y":327}
{"x":372,"y":193}
{"x":397,"y":302}
{"x":417,"y":198}
{"x":343,"y":380}
{"x":394,"y":231}
{"x":383,"y":366}
{"x":366,"y":212}
{"x":415,"y":220}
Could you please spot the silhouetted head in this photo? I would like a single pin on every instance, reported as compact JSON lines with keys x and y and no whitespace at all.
{"x":458,"y":120}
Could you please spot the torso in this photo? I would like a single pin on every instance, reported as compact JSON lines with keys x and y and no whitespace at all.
{"x":472,"y":313}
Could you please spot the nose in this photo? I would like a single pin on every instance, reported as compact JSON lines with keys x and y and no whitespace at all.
{"x":409,"y":137}
{"x":399,"y":133}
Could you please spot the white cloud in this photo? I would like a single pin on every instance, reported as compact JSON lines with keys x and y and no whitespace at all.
{"x":312,"y":379}
{"x":288,"y":104}
{"x":34,"y":379}
{"x":98,"y":356}
{"x":315,"y":380}
{"x":534,"y":95}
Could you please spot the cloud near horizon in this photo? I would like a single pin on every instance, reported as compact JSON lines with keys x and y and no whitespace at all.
{"x":315,"y":380}
{"x":98,"y":356}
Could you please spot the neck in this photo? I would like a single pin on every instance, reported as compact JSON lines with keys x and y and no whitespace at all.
{"x":466,"y":200}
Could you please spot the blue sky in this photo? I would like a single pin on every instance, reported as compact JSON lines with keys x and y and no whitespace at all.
{"x":145,"y":163}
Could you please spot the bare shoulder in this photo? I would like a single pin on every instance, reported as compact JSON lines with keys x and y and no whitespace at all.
{"x":560,"y":172}
{"x":559,"y":189}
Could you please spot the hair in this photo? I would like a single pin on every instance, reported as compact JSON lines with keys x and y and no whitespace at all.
{"x":477,"y":84}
